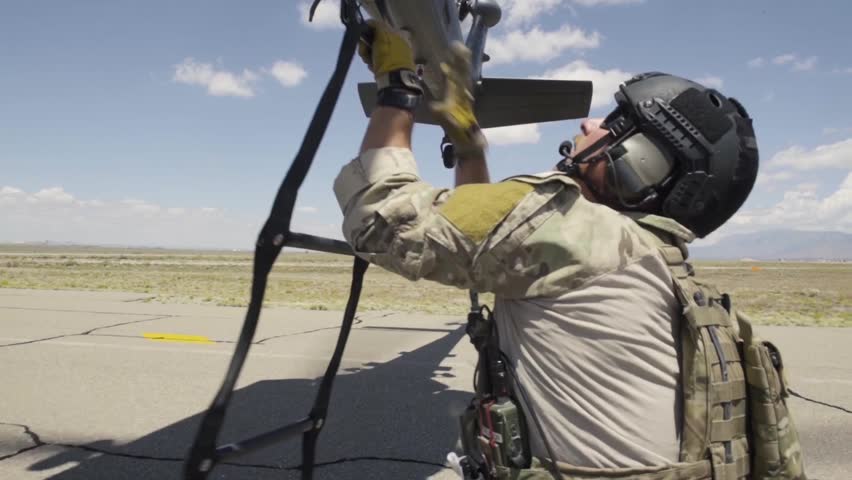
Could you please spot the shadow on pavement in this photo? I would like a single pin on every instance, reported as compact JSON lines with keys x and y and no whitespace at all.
{"x":390,"y":420}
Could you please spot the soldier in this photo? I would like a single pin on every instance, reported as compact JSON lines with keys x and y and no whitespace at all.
{"x":587,"y":264}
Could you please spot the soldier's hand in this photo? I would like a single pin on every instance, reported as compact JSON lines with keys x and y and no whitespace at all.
{"x":388,"y":55}
{"x":455,"y":111}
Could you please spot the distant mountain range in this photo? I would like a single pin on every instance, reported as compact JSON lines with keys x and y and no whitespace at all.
{"x":779,"y":245}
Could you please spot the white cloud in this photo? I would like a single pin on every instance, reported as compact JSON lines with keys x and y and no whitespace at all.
{"x":307,"y":209}
{"x":288,"y":74}
{"x":53,"y":195}
{"x":515,"y":134}
{"x":805,"y":64}
{"x":522,"y":11}
{"x":711,"y":81}
{"x":327,"y":15}
{"x":594,"y":3}
{"x":538,"y":45}
{"x":517,"y":12}
{"x":767,"y":181}
{"x":836,"y":131}
{"x":218,"y":82}
{"x":784,"y":59}
{"x":801,"y":209}
{"x":56,"y":215}
{"x":10,"y":191}
{"x":756,"y":62}
{"x":792,"y":60}
{"x":141,"y":206}
{"x":835,"y":155}
{"x":605,"y":82}
{"x":11,"y":195}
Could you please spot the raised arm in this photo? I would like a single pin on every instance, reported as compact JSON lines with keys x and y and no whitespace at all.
{"x":388,"y":127}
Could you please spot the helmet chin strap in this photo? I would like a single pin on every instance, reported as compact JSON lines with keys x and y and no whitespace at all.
{"x":570,"y":165}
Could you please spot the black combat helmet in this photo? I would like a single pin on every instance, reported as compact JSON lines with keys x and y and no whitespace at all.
{"x":687,"y":148}
{"x":676,"y":148}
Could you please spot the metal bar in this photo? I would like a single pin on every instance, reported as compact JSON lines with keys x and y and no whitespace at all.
{"x":243,"y":447}
{"x":320,"y":244}
{"x":486,"y":14}
{"x":476,"y":44}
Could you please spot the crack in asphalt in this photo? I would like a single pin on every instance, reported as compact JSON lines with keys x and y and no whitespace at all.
{"x":65,"y":310}
{"x":38,"y":442}
{"x":87,"y":332}
{"x":384,"y":315}
{"x":357,"y":321}
{"x":33,"y":436}
{"x":304,"y":332}
{"x":142,"y":299}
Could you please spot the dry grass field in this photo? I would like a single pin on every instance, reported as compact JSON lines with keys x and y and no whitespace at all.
{"x":817,"y":294}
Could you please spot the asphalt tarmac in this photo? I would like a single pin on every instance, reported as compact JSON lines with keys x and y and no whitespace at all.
{"x":99,"y":385}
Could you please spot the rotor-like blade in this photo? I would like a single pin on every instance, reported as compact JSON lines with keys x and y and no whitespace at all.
{"x":502,"y":102}
{"x":513,"y":101}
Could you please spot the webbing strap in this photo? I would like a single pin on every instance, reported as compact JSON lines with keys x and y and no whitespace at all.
{"x":727,"y":430}
{"x":728,"y":391}
{"x":739,"y":468}
{"x":704,"y":316}
{"x":672,"y":255}
{"x":699,"y":470}
{"x":729,"y":350}
{"x":746,"y":330}
{"x":274,"y":235}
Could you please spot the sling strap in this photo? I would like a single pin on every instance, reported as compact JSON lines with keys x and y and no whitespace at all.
{"x":274,"y":236}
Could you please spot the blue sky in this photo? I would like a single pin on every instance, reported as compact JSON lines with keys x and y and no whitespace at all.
{"x":172,"y":123}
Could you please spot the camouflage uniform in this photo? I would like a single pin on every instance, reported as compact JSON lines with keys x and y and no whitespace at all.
{"x":565,"y":271}
{"x":593,"y":307}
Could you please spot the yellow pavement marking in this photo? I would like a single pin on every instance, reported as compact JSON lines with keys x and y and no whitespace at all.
{"x":176,"y":337}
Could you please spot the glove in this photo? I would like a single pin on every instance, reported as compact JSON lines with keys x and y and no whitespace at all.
{"x":388,"y":55}
{"x":455,"y":111}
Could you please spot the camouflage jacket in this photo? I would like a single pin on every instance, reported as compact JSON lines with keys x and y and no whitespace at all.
{"x":528,"y":236}
{"x":585,"y":303}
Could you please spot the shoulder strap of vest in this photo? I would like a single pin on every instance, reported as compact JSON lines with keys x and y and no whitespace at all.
{"x":713,"y":381}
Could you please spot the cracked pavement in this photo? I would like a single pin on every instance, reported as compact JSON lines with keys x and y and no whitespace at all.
{"x":95,"y":399}
{"x":86,"y":396}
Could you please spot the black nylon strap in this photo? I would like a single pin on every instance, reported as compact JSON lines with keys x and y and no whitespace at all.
{"x":273,"y":237}
{"x":320,"y":409}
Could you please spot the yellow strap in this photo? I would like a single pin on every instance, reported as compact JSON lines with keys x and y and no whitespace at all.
{"x":475,"y":209}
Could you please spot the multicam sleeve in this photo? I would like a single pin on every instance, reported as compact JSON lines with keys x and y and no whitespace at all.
{"x":394,"y":219}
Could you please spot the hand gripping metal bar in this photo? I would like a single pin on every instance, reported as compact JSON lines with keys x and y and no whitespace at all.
{"x":275,"y":235}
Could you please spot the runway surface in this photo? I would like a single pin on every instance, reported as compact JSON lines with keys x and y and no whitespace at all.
{"x":102,"y":385}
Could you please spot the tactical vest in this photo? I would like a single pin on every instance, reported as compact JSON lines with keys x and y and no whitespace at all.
{"x":736,"y":424}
